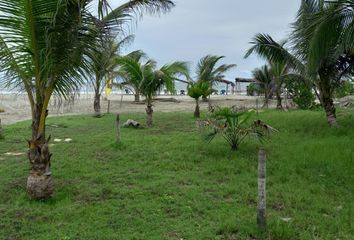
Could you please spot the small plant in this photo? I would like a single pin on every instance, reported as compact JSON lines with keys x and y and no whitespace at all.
{"x":233,"y":126}
{"x":197,"y":90}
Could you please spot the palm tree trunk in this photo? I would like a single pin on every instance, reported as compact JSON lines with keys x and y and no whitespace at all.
{"x":39,"y":182}
{"x":266,"y":99}
{"x":330,"y":111}
{"x":149,"y":112}
{"x":279,"y":99}
{"x":137,"y":97}
{"x":327,"y":101}
{"x":197,"y":111}
{"x":97,"y":103}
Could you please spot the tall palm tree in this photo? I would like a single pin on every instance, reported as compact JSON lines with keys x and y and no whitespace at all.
{"x":208,"y":69}
{"x":151,"y":79}
{"x":321,"y":60}
{"x":264,"y":78}
{"x":44,"y":47}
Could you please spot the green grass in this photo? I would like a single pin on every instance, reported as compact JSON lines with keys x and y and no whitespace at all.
{"x":165,"y":183}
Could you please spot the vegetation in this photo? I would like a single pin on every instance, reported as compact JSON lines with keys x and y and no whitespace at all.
{"x":128,"y":82}
{"x":344,"y":89}
{"x":197,"y":90}
{"x":234,"y":127}
{"x":179,"y":187}
{"x":264,"y":79}
{"x":314,"y":58}
{"x":102,"y":66}
{"x":208,"y":70}
{"x":151,"y":79}
{"x":45,"y":47}
{"x":301,"y":93}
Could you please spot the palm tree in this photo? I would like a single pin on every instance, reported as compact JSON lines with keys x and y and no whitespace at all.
{"x":44,"y":46}
{"x":234,"y":127}
{"x":134,"y":83}
{"x":321,"y":60}
{"x":264,"y":78}
{"x":208,"y":69}
{"x":197,"y":90}
{"x":151,"y":79}
{"x":102,"y":66}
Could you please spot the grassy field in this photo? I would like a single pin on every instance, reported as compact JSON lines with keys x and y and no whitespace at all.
{"x":166,"y":183}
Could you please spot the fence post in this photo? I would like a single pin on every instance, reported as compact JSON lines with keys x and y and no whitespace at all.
{"x":1,"y":135}
{"x":108,"y":106}
{"x":261,"y":208}
{"x":118,"y":128}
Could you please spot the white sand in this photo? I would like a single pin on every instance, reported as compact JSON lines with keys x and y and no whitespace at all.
{"x":17,"y":107}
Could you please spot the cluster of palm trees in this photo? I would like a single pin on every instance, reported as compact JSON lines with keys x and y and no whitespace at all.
{"x":53,"y":46}
{"x":47,"y":46}
{"x":319,"y":53}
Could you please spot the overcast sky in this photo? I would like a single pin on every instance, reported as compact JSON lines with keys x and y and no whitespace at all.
{"x":195,"y":28}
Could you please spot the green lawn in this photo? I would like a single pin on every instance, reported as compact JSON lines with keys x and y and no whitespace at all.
{"x":166,"y":183}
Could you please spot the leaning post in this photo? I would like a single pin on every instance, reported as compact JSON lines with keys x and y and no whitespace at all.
{"x":118,"y":129}
{"x":261,"y":208}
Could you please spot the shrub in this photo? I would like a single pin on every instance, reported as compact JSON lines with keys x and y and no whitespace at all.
{"x":233,"y":126}
{"x":301,"y":94}
{"x":345,"y":88}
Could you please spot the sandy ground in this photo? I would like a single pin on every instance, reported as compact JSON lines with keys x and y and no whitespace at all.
{"x":17,"y":108}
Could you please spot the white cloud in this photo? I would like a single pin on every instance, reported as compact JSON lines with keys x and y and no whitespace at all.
{"x":195,"y":28}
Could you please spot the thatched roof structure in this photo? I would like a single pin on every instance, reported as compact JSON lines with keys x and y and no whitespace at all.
{"x":245,"y":80}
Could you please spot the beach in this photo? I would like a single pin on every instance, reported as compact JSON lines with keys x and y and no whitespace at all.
{"x":17,"y":108}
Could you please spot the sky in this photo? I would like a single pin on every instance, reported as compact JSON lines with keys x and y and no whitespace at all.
{"x":195,"y":28}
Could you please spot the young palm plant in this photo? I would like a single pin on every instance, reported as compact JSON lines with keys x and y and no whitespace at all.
{"x":197,"y":90}
{"x":234,"y":127}
{"x":264,"y":78}
{"x":102,"y":66}
{"x":133,"y":83}
{"x":151,"y":79}
{"x":44,"y":47}
{"x":208,"y":70}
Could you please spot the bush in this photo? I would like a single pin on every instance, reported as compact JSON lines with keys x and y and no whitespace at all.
{"x":253,"y":89}
{"x":234,"y":127}
{"x":301,"y":94}
{"x":345,"y":88}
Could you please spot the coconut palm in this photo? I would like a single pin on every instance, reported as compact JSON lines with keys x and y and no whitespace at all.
{"x":102,"y":66}
{"x":44,"y":47}
{"x":208,"y":70}
{"x":321,"y":60}
{"x":197,"y":90}
{"x":133,"y":83}
{"x":264,"y":79}
{"x":151,"y":79}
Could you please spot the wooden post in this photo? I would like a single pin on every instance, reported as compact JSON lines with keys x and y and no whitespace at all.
{"x":118,"y":128}
{"x":261,"y":208}
{"x":108,"y":106}
{"x":1,"y":136}
{"x":257,"y":105}
{"x":121,"y":101}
